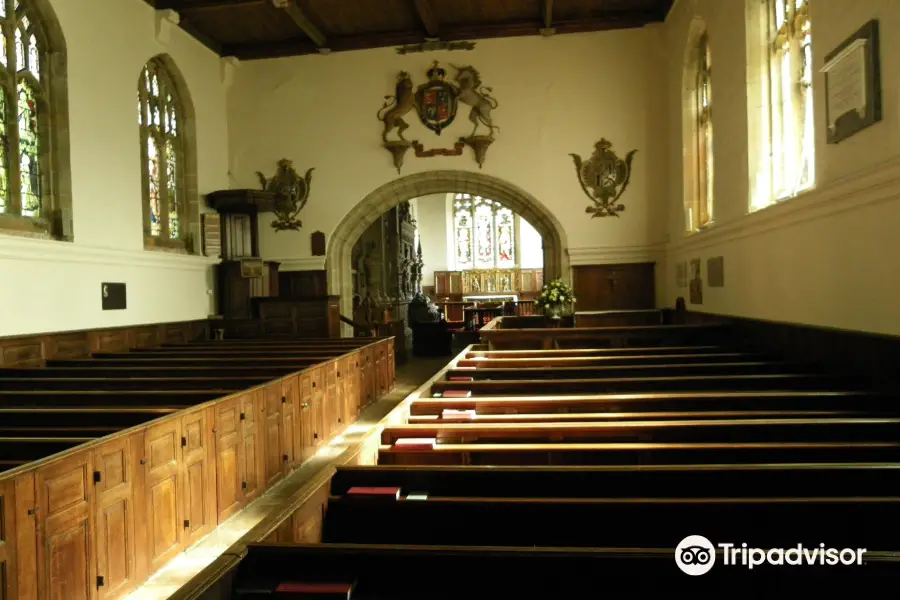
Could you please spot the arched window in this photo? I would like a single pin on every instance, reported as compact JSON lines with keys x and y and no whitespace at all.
{"x":701,"y":213}
{"x":786,"y":161}
{"x":484,"y":233}
{"x":26,"y":126}
{"x":161,"y":120}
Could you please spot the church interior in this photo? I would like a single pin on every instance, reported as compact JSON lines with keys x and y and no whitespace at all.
{"x":316,"y":299}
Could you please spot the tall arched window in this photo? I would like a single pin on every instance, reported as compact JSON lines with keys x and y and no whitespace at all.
{"x":703,"y":197}
{"x":26,"y":148}
{"x":787,"y":162}
{"x":161,"y":119}
{"x":484,"y":233}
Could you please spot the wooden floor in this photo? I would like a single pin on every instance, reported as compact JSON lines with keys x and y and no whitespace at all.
{"x":174,"y":575}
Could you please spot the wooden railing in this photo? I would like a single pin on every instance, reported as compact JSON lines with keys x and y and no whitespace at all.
{"x":93,"y":522}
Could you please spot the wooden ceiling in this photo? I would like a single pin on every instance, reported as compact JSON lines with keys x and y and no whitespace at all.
{"x":253,"y":29}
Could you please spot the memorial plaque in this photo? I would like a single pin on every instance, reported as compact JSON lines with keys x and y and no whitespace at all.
{"x":715,"y":272}
{"x":853,"y":84}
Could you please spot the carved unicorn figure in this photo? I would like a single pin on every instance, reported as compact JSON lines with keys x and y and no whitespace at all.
{"x":471,"y":92}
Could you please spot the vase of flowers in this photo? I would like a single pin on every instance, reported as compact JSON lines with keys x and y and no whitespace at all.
{"x":554,"y":298}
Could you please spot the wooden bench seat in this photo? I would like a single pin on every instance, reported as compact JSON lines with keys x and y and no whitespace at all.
{"x":30,"y":448}
{"x":524,"y":419}
{"x":641,"y":453}
{"x":162,"y":398}
{"x":648,"y":358}
{"x":852,"y":522}
{"x":692,"y":430}
{"x":226,"y":384}
{"x":145,"y":360}
{"x":300,"y":352}
{"x":454,"y":572}
{"x":598,"y":352}
{"x":673,"y":383}
{"x":621,"y":371}
{"x":649,"y":481}
{"x":800,"y":400}
{"x":268,"y":372}
{"x":317,"y":355}
{"x":115,"y":417}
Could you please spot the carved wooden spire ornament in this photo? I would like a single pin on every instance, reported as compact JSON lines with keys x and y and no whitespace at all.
{"x":604,"y":178}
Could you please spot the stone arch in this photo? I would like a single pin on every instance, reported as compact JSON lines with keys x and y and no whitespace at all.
{"x":188,"y":128}
{"x":355,"y":222}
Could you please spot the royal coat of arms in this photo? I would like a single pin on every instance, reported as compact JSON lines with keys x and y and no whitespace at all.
{"x":436,"y":101}
{"x":604,"y":178}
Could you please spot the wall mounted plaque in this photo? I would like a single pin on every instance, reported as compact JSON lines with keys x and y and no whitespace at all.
{"x":317,"y":243}
{"x":853,"y":84}
{"x":112,"y":296}
{"x":696,"y":288}
{"x":715,"y":271}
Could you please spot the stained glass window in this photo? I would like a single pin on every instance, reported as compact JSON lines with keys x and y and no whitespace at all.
{"x":790,"y":102}
{"x":24,"y":119}
{"x":485,"y":233}
{"x":159,"y":114}
{"x":700,"y":206}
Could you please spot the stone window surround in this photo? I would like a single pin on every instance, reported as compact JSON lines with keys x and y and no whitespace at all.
{"x":357,"y":220}
{"x":190,"y":242}
{"x":56,"y":202}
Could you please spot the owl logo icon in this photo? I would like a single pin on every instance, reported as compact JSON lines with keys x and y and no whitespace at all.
{"x":695,"y":555}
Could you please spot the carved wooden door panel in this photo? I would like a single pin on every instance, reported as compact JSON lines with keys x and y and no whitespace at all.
{"x":229,"y":460}
{"x":378,"y":377}
{"x":253,"y":466}
{"x":341,"y":373}
{"x":165,"y":506}
{"x":365,"y":361}
{"x":306,"y":417}
{"x":290,"y":423}
{"x":392,"y":369}
{"x":114,"y":485}
{"x":66,"y":547}
{"x":199,"y":474}
{"x":271,"y":413}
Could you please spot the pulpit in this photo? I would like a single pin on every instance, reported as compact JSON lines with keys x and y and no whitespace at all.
{"x":242,"y":275}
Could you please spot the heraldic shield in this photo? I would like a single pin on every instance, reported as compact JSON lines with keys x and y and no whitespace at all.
{"x":604,"y":178}
{"x":436,"y":101}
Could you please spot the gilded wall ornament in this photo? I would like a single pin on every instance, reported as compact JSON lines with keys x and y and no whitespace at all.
{"x":291,"y":193}
{"x":436,"y":103}
{"x":604,"y":178}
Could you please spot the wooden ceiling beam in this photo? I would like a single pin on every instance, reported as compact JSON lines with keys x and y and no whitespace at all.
{"x":187,"y":5}
{"x":302,"y":21}
{"x":427,"y":17}
{"x":623,"y":20}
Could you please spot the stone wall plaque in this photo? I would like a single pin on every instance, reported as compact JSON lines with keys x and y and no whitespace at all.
{"x":317,"y":243}
{"x":715,"y":271}
{"x":853,"y":84}
{"x":681,"y":279}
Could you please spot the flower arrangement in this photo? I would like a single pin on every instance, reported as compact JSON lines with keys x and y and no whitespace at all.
{"x":554,"y":297}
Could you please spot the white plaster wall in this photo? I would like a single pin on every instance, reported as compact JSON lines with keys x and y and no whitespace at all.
{"x":54,"y":286}
{"x":556,"y":96}
{"x":826,"y":257}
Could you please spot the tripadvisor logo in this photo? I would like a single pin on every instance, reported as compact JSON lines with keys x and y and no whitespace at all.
{"x":696,"y":555}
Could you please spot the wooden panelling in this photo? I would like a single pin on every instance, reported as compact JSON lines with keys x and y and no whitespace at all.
{"x":614,"y":287}
{"x":7,"y":540}
{"x":96,"y":522}
{"x":33,"y":350}
{"x":67,"y":529}
{"x":302,"y":285}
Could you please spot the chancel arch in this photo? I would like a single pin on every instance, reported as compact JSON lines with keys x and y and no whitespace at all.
{"x":35,"y":180}
{"x":354,"y":224}
{"x":168,"y":158}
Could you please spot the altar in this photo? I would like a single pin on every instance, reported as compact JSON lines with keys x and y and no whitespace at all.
{"x":501,"y":298}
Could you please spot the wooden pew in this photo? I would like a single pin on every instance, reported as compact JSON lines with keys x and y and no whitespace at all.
{"x":498,"y":338}
{"x":853,"y":522}
{"x":675,"y":367}
{"x":645,"y":481}
{"x":673,"y":383}
{"x":874,"y":429}
{"x":631,"y":358}
{"x":402,"y":573}
{"x":479,"y":353}
{"x":143,"y":462}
